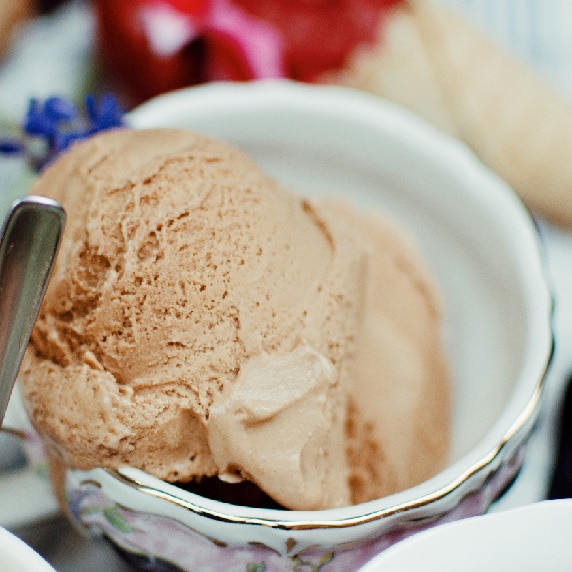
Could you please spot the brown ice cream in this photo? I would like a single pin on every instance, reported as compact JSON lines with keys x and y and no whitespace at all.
{"x":203,"y":321}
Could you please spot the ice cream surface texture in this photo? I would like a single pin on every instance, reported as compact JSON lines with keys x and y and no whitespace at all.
{"x":203,"y":321}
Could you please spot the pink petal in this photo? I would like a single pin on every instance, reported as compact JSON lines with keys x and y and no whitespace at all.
{"x":167,"y":29}
{"x":255,"y":46}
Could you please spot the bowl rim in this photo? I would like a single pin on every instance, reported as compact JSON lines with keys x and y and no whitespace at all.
{"x":332,"y":102}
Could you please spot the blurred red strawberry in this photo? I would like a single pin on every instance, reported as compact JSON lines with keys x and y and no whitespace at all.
{"x":153,"y":46}
{"x":319,"y":34}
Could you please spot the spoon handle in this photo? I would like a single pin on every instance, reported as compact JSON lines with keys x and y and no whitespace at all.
{"x":29,"y":240}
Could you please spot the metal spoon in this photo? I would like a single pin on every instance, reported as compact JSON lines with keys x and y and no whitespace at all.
{"x":29,"y":240}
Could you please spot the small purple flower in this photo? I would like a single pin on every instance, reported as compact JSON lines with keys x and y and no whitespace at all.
{"x":60,"y":109}
{"x":36,"y":123}
{"x":57,"y":122}
{"x":104,"y":113}
{"x":11,"y":146}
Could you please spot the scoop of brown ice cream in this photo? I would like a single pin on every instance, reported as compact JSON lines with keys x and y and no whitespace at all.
{"x":191,"y":293}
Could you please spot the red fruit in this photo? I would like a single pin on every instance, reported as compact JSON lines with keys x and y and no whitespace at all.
{"x":152,"y":46}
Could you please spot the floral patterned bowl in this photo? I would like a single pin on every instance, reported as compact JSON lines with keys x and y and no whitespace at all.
{"x":485,"y":252}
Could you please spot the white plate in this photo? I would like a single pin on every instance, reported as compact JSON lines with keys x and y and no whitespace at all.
{"x":17,"y":556}
{"x":530,"y":538}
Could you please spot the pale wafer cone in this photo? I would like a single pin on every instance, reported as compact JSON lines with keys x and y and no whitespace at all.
{"x":436,"y":63}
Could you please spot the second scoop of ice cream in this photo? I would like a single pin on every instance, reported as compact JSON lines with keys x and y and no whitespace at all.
{"x":203,"y":321}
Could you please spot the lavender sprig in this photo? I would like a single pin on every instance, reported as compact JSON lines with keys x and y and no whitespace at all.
{"x":11,"y":146}
{"x":52,"y":125}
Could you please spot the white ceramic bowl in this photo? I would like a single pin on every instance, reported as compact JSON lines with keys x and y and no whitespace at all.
{"x":17,"y":556}
{"x":527,"y":539}
{"x":484,"y":251}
